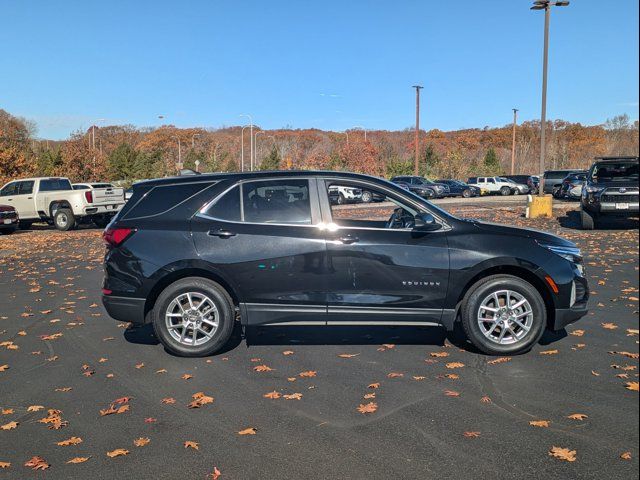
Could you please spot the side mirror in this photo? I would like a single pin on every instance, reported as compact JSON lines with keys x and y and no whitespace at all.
{"x":425,"y":222}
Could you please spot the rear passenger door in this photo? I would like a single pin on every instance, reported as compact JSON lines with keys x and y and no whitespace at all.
{"x":265,"y":237}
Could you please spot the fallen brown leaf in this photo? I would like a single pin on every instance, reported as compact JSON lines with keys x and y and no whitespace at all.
{"x":563,"y":454}
{"x":370,"y":407}
{"x":248,"y":431}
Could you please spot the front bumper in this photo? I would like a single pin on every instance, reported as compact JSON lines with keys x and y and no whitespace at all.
{"x":125,"y":309}
{"x":565,"y":316}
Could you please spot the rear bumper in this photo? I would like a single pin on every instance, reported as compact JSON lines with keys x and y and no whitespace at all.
{"x":565,"y":316}
{"x":103,"y":209}
{"x":125,"y":309}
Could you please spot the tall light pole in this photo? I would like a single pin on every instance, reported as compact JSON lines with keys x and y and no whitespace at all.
{"x":193,"y":140}
{"x":93,"y":141}
{"x":513,"y":142}
{"x":242,"y":148}
{"x":546,"y":6}
{"x":251,"y":134}
{"x":416,"y":163}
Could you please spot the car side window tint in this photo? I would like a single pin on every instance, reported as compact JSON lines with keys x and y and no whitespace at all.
{"x":26,"y":187}
{"x":227,"y":207}
{"x":10,"y":189}
{"x":491,"y":180}
{"x":277,"y":201}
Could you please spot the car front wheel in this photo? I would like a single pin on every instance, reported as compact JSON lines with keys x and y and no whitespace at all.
{"x":193,"y":317}
{"x":503,"y":315}
{"x":505,"y":191}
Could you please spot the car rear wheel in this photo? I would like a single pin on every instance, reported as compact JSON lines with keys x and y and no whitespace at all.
{"x":193,"y":317}
{"x":64,"y":219}
{"x":503,"y":315}
{"x":505,"y":191}
{"x":366,"y":196}
{"x":587,"y":220}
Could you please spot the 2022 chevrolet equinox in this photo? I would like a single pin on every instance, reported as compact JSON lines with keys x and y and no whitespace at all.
{"x":190,"y":254}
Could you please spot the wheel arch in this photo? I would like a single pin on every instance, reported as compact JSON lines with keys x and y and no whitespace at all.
{"x":516,"y":271}
{"x":57,"y":204}
{"x":174,"y":274}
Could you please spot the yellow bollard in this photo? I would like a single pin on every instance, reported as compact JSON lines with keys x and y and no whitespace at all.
{"x":539,"y":206}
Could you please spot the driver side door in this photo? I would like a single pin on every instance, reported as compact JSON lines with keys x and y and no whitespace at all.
{"x":380,"y":275}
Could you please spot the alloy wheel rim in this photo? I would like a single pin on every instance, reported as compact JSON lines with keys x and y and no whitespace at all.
{"x":62,"y":219}
{"x":505,"y":317}
{"x":192,"y":319}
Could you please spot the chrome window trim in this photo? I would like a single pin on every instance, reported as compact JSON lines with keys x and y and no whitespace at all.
{"x":315,"y":212}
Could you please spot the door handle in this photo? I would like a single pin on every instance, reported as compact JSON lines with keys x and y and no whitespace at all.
{"x":221,"y":233}
{"x":349,"y":239}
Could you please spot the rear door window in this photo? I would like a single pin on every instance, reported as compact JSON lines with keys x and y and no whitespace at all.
{"x":227,"y":207}
{"x":276,"y":201}
{"x":26,"y":187}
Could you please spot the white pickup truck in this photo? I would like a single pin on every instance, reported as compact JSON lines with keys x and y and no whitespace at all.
{"x":54,"y":200}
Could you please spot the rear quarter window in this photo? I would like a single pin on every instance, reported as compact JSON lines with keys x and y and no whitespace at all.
{"x":160,"y":199}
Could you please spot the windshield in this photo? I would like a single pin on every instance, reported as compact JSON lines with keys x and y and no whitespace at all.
{"x":614,"y":171}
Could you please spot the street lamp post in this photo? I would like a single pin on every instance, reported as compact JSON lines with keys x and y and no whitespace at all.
{"x":193,"y":140}
{"x":242,"y":148}
{"x":251,"y":135}
{"x":416,"y":163}
{"x":513,"y":142}
{"x":546,"y":6}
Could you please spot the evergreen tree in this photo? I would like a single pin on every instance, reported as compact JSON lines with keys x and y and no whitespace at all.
{"x":491,"y":163}
{"x":122,"y":162}
{"x":272,"y":162}
{"x":50,"y":162}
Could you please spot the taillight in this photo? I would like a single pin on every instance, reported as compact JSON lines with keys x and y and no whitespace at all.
{"x":114,"y":237}
{"x":88,"y":194}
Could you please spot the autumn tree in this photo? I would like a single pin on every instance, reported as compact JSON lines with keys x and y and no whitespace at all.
{"x":15,"y":150}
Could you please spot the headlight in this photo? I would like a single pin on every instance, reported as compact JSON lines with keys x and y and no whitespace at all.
{"x":573,"y":254}
{"x":593,"y":189}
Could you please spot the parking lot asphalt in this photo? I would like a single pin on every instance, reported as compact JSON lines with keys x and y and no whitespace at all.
{"x":437,"y":409}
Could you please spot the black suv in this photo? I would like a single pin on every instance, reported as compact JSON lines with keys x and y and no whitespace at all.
{"x":189,"y":254}
{"x":611,"y":189}
{"x":420,"y":184}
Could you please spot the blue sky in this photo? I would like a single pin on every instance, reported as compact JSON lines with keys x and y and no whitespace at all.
{"x":328,"y":64}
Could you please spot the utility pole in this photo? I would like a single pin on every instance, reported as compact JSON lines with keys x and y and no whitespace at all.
{"x":513,"y":142}
{"x":546,"y":6}
{"x":416,"y":169}
{"x":250,"y":137}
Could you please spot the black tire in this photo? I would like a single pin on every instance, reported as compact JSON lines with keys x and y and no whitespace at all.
{"x":225,"y":316}
{"x":466,"y":193}
{"x":101,"y":221}
{"x":341,"y":199}
{"x":64,"y":219}
{"x":471,"y":307}
{"x":504,"y":191}
{"x":25,"y":224}
{"x":587,"y":220}
{"x":516,"y":191}
{"x":367,"y":196}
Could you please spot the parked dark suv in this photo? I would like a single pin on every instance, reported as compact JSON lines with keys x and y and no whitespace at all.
{"x":188,"y":254}
{"x":611,"y":189}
